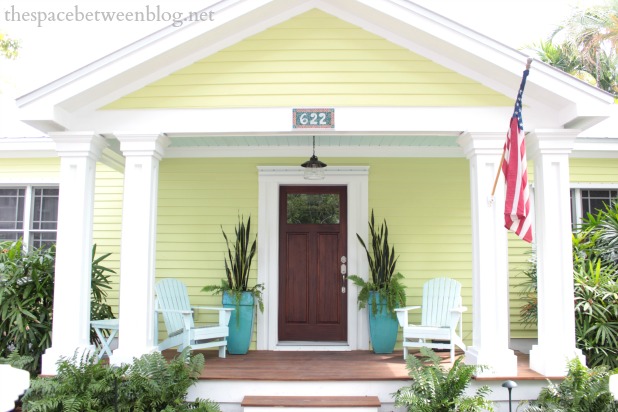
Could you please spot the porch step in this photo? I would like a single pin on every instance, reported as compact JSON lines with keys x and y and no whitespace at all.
{"x":311,"y":403}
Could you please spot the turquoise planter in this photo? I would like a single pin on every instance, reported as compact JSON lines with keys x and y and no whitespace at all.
{"x":241,"y":322}
{"x":383,"y":326}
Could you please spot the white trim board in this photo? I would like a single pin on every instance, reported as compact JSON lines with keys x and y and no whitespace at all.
{"x":356,"y":178}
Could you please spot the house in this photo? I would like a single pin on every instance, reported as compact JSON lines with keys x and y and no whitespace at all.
{"x":150,"y":150}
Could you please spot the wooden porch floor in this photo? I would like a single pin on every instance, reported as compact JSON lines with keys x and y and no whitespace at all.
{"x":322,"y":366}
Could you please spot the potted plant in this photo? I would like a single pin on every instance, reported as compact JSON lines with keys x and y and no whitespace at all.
{"x":235,"y":288}
{"x":383,"y":293}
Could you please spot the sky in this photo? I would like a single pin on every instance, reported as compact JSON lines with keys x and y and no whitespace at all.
{"x":50,"y":50}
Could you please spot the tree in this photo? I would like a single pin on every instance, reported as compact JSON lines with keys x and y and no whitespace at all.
{"x":586,"y":46}
{"x":8,"y":47}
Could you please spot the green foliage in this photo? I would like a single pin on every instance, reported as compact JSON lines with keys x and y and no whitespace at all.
{"x":17,"y":361}
{"x":435,"y":388}
{"x":583,"y":390}
{"x":151,"y":383}
{"x":9,"y":47}
{"x":320,"y":209}
{"x":26,"y":299}
{"x":382,"y":258}
{"x":598,"y":236}
{"x":382,"y":262}
{"x":595,"y":275}
{"x":596,"y":312}
{"x":586,"y":46}
{"x":238,"y":265}
{"x":595,"y":257}
{"x":528,"y":293}
{"x":100,"y":283}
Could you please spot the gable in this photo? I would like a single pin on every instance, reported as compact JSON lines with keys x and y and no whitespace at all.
{"x":313,"y":59}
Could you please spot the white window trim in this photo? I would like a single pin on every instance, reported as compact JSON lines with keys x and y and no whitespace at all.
{"x":28,"y":204}
{"x":270,"y":178}
{"x":577,"y":195}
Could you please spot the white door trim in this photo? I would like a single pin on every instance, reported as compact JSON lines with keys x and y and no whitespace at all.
{"x":356,"y":178}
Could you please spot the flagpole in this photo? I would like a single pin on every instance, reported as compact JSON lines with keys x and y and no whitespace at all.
{"x":493,"y":190}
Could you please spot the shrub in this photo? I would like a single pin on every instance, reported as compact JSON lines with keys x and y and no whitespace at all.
{"x":26,"y":299}
{"x":151,"y":383}
{"x":435,"y":388}
{"x":583,"y":390}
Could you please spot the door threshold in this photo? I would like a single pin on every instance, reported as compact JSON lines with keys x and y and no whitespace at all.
{"x":312,"y":346}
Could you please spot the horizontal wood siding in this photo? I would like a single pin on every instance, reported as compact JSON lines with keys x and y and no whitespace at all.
{"x":107,"y":220}
{"x":594,"y":170}
{"x":197,"y":198}
{"x":426,"y":204}
{"x":313,"y":59}
{"x":29,"y":170}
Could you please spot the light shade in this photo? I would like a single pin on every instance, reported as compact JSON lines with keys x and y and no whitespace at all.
{"x":314,"y":168}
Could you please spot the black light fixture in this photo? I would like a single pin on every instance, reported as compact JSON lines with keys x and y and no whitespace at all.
{"x":509,"y":385}
{"x":314,"y":168}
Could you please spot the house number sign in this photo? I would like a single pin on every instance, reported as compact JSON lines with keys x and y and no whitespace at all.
{"x":313,"y":118}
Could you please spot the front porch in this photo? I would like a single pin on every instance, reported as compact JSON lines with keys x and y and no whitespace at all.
{"x":328,"y":374}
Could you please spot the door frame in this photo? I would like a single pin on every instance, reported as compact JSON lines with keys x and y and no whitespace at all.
{"x":356,"y":178}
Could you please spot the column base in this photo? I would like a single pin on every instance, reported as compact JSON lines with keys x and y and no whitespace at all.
{"x":553,"y":361}
{"x":51,"y":357}
{"x":499,"y":362}
{"x":125,"y":356}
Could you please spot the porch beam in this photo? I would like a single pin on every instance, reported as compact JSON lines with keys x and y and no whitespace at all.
{"x":138,"y":244}
{"x":550,"y":151}
{"x":79,"y":152}
{"x":490,"y":279}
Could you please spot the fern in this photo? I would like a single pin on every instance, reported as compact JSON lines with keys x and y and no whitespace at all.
{"x":583,"y":390}
{"x":151,"y":383}
{"x":435,"y":388}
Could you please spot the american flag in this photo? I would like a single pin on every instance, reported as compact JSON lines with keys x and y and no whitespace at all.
{"x":517,"y":203}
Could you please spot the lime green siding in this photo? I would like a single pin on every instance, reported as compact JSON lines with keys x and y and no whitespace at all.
{"x":107,"y":220}
{"x":594,"y":170}
{"x":426,"y":203}
{"x":30,"y":170}
{"x":313,"y":59}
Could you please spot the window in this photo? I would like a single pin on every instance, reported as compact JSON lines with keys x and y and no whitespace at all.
{"x":30,"y":213}
{"x":590,"y":200}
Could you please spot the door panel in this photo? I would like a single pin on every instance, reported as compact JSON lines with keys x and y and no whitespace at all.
{"x":312,"y":240}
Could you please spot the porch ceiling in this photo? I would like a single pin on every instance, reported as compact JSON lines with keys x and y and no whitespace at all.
{"x":280,"y":141}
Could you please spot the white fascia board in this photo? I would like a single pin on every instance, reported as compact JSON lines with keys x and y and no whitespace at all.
{"x":27,"y":147}
{"x":600,"y":148}
{"x":279,"y":120}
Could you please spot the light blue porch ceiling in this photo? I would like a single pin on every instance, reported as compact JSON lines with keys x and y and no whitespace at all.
{"x":446,"y":140}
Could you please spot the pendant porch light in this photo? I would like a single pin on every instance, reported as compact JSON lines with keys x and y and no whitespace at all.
{"x":314,"y":168}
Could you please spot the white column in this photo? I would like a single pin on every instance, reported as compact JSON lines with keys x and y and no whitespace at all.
{"x":490,"y":278}
{"x":137,"y":251}
{"x":71,"y":324}
{"x":556,"y":322}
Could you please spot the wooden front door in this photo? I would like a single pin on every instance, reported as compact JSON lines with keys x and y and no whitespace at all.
{"x":312,"y":250}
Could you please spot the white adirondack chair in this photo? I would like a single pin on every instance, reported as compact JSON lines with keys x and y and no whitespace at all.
{"x":172,"y":302}
{"x":441,"y":314}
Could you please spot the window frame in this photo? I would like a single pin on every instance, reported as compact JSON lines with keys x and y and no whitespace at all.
{"x":576,"y":198}
{"x":27,"y":230}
